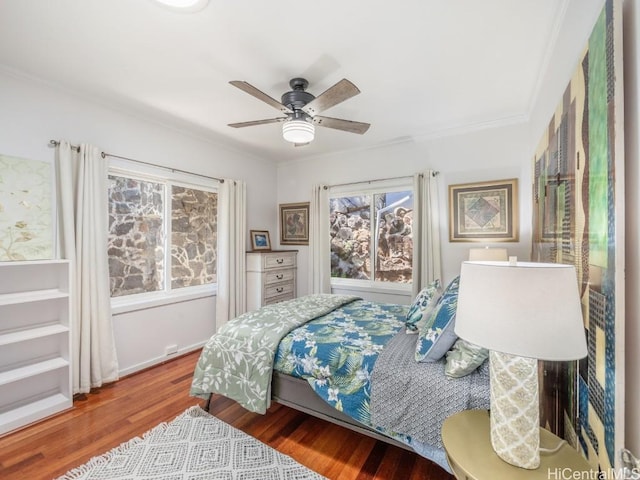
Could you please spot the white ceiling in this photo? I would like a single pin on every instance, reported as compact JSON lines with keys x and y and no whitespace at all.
{"x":425,"y":67}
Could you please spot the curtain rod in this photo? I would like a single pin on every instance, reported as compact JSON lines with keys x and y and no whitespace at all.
{"x":55,"y":143}
{"x":326,"y":187}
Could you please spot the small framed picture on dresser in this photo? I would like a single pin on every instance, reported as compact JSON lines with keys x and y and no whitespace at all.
{"x":260,"y":240}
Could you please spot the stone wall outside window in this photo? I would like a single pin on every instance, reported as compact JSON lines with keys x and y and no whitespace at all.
{"x":136,"y":236}
{"x":194,"y":218}
{"x":137,"y":243}
{"x":352,"y":232}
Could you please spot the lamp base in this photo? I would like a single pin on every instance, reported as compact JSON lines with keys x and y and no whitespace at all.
{"x":515,"y":415}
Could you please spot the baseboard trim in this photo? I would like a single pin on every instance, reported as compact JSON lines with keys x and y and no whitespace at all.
{"x":158,"y":360}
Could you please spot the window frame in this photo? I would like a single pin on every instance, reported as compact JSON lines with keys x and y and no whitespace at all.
{"x":402,"y":184}
{"x":168,"y":295}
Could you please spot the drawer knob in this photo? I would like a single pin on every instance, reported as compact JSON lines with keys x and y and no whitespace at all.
{"x":280,"y":276}
{"x":279,"y":260}
{"x":279,"y":289}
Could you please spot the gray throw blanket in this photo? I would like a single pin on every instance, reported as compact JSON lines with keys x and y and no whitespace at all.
{"x":414,"y":398}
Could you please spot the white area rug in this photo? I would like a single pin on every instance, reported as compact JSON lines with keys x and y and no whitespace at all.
{"x":194,"y":446}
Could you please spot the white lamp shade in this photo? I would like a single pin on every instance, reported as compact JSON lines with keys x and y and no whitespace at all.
{"x":298,"y":131}
{"x":488,"y":254}
{"x":527,"y":309}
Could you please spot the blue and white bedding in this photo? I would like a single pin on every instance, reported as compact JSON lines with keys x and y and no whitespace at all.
{"x":336,"y":353}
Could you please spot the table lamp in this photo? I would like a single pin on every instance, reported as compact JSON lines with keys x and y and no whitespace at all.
{"x":521,"y":312}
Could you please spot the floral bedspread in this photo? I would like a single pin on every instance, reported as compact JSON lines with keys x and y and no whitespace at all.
{"x":336,"y":353}
{"x":237,"y":361}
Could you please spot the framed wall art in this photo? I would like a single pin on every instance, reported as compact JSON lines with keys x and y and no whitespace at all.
{"x":260,"y":240}
{"x":294,"y":223}
{"x":578,"y":219}
{"x":26,"y":209}
{"x":486,"y":211}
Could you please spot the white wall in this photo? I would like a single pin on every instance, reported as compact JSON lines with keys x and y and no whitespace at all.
{"x":632,"y":176}
{"x":34,"y":112}
{"x":489,"y":154}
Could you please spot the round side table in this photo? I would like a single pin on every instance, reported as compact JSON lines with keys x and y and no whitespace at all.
{"x":466,"y":439}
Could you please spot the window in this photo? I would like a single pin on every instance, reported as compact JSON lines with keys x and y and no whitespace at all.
{"x":154,"y":223}
{"x":371,"y":236}
{"x":193,"y":237}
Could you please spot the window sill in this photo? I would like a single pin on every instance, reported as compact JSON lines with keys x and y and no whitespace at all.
{"x":356,"y":285}
{"x":126,"y":304}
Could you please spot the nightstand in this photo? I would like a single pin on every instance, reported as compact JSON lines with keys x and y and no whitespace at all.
{"x":466,"y":439}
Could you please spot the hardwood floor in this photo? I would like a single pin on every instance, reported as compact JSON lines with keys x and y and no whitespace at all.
{"x":117,"y":412}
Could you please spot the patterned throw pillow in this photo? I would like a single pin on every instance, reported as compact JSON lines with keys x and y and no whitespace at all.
{"x":436,"y":335}
{"x":423,"y":304}
{"x":463,"y":358}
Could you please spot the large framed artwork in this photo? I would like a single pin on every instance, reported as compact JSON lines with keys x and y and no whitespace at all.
{"x":26,"y":212}
{"x":578,"y":219}
{"x":486,"y":211}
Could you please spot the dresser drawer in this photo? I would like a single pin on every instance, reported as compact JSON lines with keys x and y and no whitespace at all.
{"x":276,"y":290}
{"x":279,"y":276}
{"x":281,"y":298}
{"x":278,"y":260}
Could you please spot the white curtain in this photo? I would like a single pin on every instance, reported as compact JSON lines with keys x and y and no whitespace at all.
{"x":231,"y":300}
{"x":426,"y":238}
{"x":319,"y":254}
{"x":83,"y":229}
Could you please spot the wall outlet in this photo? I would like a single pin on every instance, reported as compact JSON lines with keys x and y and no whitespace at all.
{"x":170,"y":350}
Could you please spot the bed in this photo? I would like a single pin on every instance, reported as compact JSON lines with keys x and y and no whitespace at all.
{"x":348,"y":361}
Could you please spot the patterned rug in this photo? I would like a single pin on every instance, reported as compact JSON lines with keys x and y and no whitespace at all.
{"x":194,"y":446}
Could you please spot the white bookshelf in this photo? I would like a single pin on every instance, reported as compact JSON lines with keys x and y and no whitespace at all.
{"x":35,"y":341}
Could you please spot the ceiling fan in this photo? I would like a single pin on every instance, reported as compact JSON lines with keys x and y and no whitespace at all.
{"x":302,"y":108}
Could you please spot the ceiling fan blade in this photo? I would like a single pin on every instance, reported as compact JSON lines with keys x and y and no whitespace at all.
{"x":340,"y":124}
{"x":301,"y":144}
{"x":341,"y":91}
{"x":260,"y":95}
{"x":258,"y":122}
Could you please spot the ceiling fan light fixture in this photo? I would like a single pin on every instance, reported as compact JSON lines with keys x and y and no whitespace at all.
{"x":298,"y":131}
{"x":188,"y":6}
